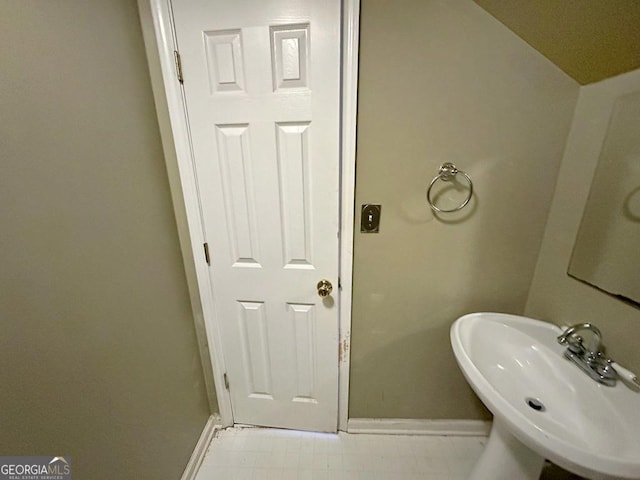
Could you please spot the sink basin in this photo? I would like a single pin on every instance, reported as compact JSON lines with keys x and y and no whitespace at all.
{"x":544,"y":406}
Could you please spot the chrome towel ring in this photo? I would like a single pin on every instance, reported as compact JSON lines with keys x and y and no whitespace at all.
{"x":446,"y":172}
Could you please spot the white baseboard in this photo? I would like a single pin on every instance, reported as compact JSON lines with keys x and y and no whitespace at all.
{"x":200,"y":450}
{"x":402,"y":426}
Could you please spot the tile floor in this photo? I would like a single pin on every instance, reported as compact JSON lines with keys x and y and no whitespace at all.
{"x":270,"y":454}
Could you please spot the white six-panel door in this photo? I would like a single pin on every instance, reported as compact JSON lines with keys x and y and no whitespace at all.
{"x":262,"y":88}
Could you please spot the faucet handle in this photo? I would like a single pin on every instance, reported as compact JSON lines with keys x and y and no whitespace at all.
{"x":626,"y":375}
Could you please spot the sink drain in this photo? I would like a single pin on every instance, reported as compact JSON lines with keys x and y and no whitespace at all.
{"x":536,"y":404}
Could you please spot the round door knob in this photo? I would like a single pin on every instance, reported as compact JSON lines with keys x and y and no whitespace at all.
{"x":324,"y":288}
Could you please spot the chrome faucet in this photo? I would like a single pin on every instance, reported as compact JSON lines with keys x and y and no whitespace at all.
{"x":591,"y":358}
{"x":574,"y":341}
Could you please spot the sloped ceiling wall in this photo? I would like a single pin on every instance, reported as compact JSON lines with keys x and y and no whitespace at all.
{"x":590,"y":40}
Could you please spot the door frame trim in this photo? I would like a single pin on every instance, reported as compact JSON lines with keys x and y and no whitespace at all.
{"x":348,"y":122}
{"x":160,"y":42}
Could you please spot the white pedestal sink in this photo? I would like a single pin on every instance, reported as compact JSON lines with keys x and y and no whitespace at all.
{"x":544,"y":406}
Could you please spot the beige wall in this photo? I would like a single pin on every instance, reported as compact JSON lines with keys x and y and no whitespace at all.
{"x":98,"y":349}
{"x":555,"y":296}
{"x":589,"y":39}
{"x":444,"y":81}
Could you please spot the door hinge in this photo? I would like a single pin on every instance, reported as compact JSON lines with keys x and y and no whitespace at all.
{"x":226,"y":381}
{"x":206,"y":254}
{"x":176,"y":57}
